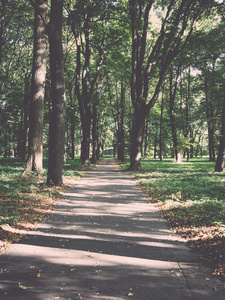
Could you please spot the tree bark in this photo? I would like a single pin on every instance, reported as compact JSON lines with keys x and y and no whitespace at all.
{"x":161,"y":127}
{"x":25,"y":119}
{"x":172,"y":117}
{"x":35,"y":151}
{"x":221,"y":151}
{"x":138,"y":127}
{"x":120,"y":133}
{"x":187,"y":113}
{"x":58,"y":111}
{"x":94,"y":134}
{"x":209,"y":116}
{"x":146,"y":137}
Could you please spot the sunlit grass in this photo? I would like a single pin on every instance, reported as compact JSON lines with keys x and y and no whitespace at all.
{"x":192,"y":198}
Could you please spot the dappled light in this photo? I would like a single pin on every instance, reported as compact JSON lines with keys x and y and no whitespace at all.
{"x":103,"y":241}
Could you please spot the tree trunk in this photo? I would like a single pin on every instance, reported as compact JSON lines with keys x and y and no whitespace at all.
{"x":85,"y":143}
{"x":24,"y":127}
{"x":172,"y":119}
{"x":71,"y":117}
{"x":58,"y":112}
{"x":72,"y":136}
{"x":161,"y":127}
{"x":120,"y":135}
{"x":136,"y":140}
{"x":221,"y":151}
{"x":94,"y":135}
{"x":209,"y":116}
{"x":146,"y":137}
{"x":192,"y":138}
{"x":35,"y":152}
{"x":187,"y":113}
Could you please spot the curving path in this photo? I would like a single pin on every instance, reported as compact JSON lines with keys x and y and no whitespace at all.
{"x":104,"y":241}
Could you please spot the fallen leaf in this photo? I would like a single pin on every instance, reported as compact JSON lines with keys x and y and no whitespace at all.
{"x":130,"y":294}
{"x":22,"y":286}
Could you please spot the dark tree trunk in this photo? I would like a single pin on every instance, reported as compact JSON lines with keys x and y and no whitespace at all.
{"x":72,"y":133}
{"x":24,"y":120}
{"x":85,"y":143}
{"x":94,"y":134}
{"x":187,"y":113}
{"x":35,"y":151}
{"x":172,"y":117}
{"x":58,"y":112}
{"x":71,"y":117}
{"x":137,"y":140}
{"x":146,"y":137}
{"x":192,"y":138}
{"x":221,"y":151}
{"x":161,"y":128}
{"x":98,"y":153}
{"x":120,"y":134}
{"x":209,"y":116}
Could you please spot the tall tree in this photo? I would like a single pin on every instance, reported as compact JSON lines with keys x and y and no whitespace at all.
{"x":35,"y":152}
{"x":221,"y":151}
{"x":177,"y":25}
{"x":57,"y":122}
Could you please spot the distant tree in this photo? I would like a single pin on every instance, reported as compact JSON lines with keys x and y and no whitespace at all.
{"x":173,"y":89}
{"x":87,"y":24}
{"x":118,"y":112}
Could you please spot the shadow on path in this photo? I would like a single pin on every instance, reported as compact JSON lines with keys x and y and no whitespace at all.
{"x":104,"y":241}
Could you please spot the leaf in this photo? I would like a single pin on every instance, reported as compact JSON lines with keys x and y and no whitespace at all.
{"x":22,"y":286}
{"x":130,"y":294}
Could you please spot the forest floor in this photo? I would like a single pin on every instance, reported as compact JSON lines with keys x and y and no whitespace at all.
{"x":190,"y":195}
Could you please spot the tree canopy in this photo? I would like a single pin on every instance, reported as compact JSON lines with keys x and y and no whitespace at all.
{"x":138,"y":78}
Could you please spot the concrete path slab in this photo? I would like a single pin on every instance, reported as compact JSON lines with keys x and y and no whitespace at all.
{"x":104,"y":241}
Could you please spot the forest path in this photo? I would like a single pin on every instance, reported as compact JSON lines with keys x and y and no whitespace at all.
{"x":104,"y":240}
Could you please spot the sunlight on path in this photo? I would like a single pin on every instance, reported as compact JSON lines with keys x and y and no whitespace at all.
{"x":104,"y":241}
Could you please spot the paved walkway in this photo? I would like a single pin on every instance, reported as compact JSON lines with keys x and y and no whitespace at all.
{"x":104,"y":241}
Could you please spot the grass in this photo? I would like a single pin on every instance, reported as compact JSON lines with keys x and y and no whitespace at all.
{"x":192,"y":198}
{"x":27,"y":201}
